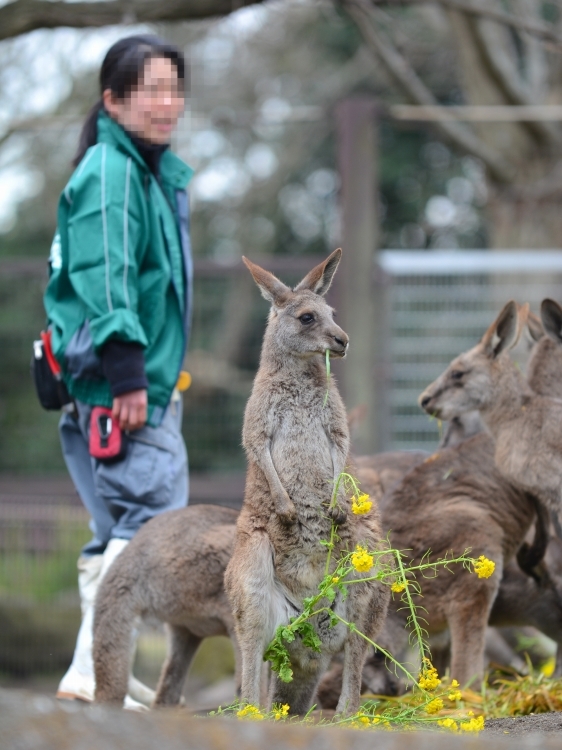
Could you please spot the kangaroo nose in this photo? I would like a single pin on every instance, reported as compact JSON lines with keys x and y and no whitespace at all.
{"x":339,"y":341}
{"x":425,"y":401}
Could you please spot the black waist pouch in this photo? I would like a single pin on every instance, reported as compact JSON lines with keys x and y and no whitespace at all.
{"x":51,"y":390}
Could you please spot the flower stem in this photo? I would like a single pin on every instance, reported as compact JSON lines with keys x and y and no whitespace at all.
{"x":327,"y":378}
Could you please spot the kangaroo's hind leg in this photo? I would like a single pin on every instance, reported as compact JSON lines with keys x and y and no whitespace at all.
{"x":181,"y":650}
{"x":366,"y":607}
{"x":468,"y":619}
{"x":354,"y":655}
{"x":258,"y":608}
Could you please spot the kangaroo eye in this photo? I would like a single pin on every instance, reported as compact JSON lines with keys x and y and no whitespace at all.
{"x":306,"y":318}
{"x":457,"y":374}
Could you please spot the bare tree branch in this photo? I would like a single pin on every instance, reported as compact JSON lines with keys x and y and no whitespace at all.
{"x":547,"y":188}
{"x":537,"y":73}
{"x":406,"y":77}
{"x":484,"y":11}
{"x":22,"y":16}
{"x":503,"y":70}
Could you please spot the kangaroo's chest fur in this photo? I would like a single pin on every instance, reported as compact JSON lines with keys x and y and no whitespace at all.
{"x":301,"y":446}
{"x":305,"y":425}
{"x":307,"y":434}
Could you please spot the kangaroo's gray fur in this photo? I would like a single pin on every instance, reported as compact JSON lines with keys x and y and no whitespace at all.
{"x":173,"y":570}
{"x":434,"y":500}
{"x":526,"y":426}
{"x":297,"y":444}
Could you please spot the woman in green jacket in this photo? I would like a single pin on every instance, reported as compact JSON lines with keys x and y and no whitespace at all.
{"x":119,"y":303}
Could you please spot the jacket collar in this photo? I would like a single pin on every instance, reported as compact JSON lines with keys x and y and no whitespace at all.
{"x":173,"y":170}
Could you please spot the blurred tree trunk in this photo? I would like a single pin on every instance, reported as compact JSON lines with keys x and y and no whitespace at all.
{"x":500,"y":66}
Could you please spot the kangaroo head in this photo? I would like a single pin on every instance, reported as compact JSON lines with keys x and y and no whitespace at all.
{"x":301,"y":323}
{"x":545,"y":364}
{"x":471,"y":380}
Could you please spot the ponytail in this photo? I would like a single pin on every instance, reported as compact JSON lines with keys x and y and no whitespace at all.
{"x":89,"y":132}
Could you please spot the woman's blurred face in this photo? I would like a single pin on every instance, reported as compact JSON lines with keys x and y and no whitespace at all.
{"x":151,"y":110}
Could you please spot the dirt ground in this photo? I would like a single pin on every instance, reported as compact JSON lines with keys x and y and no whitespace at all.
{"x":221,"y":693}
{"x":518,"y":725}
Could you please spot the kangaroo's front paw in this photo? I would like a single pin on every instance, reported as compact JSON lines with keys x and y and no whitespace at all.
{"x":337,"y":515}
{"x":285,"y":509}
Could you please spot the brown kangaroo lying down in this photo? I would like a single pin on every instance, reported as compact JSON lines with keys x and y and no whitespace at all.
{"x":173,"y":570}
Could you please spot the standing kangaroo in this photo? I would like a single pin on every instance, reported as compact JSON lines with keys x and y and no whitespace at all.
{"x":526,"y":426}
{"x":297,"y":443}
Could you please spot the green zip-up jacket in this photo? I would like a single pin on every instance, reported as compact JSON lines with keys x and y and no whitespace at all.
{"x":121,"y":268}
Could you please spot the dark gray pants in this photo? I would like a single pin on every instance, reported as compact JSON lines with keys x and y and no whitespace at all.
{"x":120,"y":497}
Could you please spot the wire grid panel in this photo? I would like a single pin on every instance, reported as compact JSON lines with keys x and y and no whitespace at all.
{"x":438,"y":304}
{"x":39,"y":606}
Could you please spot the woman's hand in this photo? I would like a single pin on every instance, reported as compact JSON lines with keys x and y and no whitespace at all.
{"x":130,"y":409}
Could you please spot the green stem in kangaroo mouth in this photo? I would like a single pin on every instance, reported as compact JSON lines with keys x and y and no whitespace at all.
{"x":327,"y":378}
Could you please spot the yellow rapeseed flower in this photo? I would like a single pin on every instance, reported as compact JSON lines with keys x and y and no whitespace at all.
{"x":250,"y":712}
{"x":361,"y":560}
{"x":281,"y":712}
{"x":484,"y":567}
{"x":474,"y":725}
{"x":448,"y":724}
{"x":361,"y":504}
{"x":455,"y":683}
{"x":397,"y":587}
{"x":435,"y":706}
{"x":548,"y":667}
{"x":428,"y":678}
{"x":455,"y":695}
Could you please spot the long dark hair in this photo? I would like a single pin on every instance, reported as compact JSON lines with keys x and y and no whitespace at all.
{"x":120,"y":72}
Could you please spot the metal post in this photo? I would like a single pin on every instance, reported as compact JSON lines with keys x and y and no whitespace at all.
{"x":356,"y":119}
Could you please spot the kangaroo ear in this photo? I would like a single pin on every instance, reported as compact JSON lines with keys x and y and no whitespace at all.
{"x":320,"y":278}
{"x":504,"y":332}
{"x":551,"y":316}
{"x":271,"y":288}
{"x":534,"y":326}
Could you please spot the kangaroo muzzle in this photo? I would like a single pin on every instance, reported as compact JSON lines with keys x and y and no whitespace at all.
{"x":339,"y":343}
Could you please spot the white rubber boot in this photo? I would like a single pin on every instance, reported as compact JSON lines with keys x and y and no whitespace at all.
{"x":78,"y":683}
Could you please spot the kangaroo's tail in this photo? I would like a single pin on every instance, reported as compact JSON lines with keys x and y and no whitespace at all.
{"x":116,"y":609}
